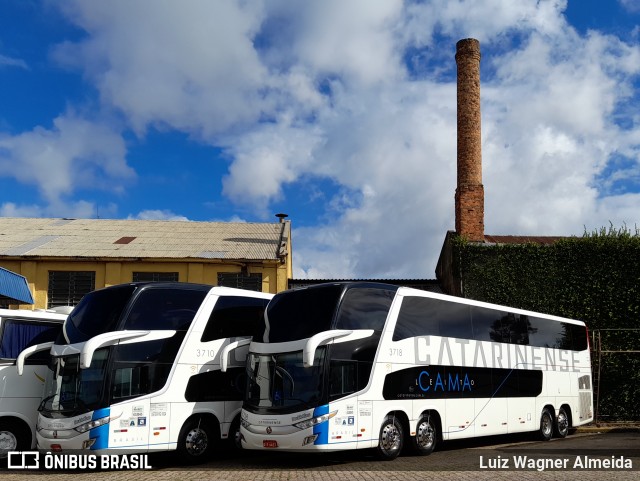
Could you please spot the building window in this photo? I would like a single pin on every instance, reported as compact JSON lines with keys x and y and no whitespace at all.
{"x":251,"y":282}
{"x":66,"y":288}
{"x":155,"y":277}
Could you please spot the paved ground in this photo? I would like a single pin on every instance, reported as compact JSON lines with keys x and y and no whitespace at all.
{"x":459,"y":461}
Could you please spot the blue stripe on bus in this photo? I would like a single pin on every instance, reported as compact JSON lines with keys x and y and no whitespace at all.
{"x":322,"y":429}
{"x":101,"y":433}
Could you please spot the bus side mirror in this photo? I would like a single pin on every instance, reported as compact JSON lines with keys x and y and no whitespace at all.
{"x":330,"y":337}
{"x":22,"y":357}
{"x":226,"y":351}
{"x":118,"y":337}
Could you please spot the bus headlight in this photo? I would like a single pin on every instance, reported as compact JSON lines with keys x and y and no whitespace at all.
{"x":309,"y":423}
{"x":83,"y":428}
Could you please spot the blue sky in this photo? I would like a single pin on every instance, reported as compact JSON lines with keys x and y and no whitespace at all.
{"x":340,"y":114}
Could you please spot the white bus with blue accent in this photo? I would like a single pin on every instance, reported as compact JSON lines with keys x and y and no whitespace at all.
{"x":365,"y":365}
{"x":19,"y":396}
{"x":146,"y":367}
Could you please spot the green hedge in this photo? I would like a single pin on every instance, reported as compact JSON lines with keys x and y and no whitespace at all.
{"x":595,"y":278}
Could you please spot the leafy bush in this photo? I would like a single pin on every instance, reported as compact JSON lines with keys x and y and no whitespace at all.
{"x":594,"y":278}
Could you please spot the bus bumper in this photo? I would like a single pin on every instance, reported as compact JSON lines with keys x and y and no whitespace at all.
{"x":80,"y":442}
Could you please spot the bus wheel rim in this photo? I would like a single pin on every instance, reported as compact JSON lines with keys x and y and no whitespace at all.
{"x":8,"y":441}
{"x":390,"y":438}
{"x":563,"y":422}
{"x":424,"y":435}
{"x":196,"y":442}
{"x":547,"y":426}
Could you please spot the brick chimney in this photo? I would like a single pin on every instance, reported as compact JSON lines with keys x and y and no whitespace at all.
{"x":470,"y":191}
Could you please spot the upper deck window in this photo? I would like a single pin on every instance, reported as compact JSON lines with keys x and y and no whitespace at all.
{"x":364,"y":309}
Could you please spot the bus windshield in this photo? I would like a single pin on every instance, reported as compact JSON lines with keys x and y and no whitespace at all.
{"x":301,"y":314}
{"x":280,"y":382}
{"x":71,"y":391}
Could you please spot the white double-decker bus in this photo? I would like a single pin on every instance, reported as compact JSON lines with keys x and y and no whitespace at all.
{"x":150,"y":367}
{"x":20,"y":396}
{"x":363,"y":365}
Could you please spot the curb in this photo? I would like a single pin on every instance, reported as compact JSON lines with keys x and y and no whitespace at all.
{"x":608,"y":429}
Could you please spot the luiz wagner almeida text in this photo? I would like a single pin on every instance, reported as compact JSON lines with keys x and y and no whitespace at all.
{"x":541,"y":464}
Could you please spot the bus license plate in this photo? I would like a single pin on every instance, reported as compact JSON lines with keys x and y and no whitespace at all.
{"x":268,"y":443}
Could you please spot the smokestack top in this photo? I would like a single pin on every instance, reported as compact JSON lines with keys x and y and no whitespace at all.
{"x":468,"y":46}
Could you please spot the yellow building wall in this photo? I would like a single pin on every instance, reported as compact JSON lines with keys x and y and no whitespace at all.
{"x":275,"y":273}
{"x":107,"y":273}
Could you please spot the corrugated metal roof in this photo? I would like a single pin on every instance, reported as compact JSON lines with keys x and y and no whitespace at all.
{"x":102,"y":238}
{"x":14,"y":286}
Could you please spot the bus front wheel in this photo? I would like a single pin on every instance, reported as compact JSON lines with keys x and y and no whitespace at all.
{"x":195,"y":441}
{"x":235,"y":438}
{"x":390,"y":439}
{"x":424,"y":442}
{"x":13,"y":437}
{"x":546,"y":425}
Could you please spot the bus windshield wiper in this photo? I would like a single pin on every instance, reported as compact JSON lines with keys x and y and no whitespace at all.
{"x":281,"y":371}
{"x":42,"y":403}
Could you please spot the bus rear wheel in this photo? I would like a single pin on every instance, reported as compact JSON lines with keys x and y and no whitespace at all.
{"x":546,"y":425}
{"x":390,"y":440}
{"x":195,"y":441}
{"x":424,"y":442}
{"x":562,"y":424}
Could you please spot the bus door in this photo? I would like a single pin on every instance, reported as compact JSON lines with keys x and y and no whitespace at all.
{"x":365,"y":423}
{"x":129,"y":425}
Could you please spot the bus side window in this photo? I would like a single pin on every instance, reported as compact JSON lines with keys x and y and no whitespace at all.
{"x":229,"y":386}
{"x":351,"y":362}
{"x":487,"y":324}
{"x":579,"y":340}
{"x":499,"y":326}
{"x":552,"y":334}
{"x":18,"y":335}
{"x":343,"y":378}
{"x":424,"y":316}
{"x":519,"y":327}
{"x":144,"y":367}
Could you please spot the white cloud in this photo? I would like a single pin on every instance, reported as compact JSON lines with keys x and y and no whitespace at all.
{"x":632,"y":6}
{"x":551,"y":128}
{"x":355,"y":40}
{"x":488,"y":20}
{"x":74,"y":154}
{"x":299,"y":93}
{"x":265,"y":159}
{"x":157,"y":214}
{"x":187,"y":66}
{"x":75,"y":210}
{"x":6,"y":61}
